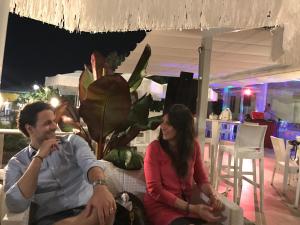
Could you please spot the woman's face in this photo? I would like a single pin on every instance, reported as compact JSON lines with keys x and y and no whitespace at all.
{"x":168,"y":131}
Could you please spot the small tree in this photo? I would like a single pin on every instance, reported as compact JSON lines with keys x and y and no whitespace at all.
{"x":42,"y":94}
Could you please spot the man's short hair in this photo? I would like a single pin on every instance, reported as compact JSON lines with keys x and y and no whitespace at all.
{"x":28,"y":115}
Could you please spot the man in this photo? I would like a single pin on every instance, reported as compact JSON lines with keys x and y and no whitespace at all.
{"x":269,"y":113}
{"x":61,"y":177}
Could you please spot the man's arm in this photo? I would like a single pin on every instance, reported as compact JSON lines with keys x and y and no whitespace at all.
{"x":95,"y":173}
{"x":28,"y":182}
{"x":102,"y":200}
{"x":19,"y":185}
{"x":14,"y":199}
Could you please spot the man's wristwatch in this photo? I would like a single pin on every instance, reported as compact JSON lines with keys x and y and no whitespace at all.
{"x":99,"y":182}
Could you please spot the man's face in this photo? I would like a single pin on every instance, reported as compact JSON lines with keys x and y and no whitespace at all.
{"x":44,"y":128}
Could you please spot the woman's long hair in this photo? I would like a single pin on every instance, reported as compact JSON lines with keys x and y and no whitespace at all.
{"x":181,"y":118}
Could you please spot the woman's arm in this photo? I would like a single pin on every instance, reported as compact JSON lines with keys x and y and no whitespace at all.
{"x":202,"y":181}
{"x":200,"y":175}
{"x":156,"y":191}
{"x":153,"y":179}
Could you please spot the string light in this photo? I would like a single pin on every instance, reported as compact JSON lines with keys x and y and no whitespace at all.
{"x":247,"y":92}
{"x":54,"y":102}
{"x":35,"y":87}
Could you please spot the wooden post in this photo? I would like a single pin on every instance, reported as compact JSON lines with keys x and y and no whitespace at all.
{"x":204,"y":70}
{"x":4,"y":10}
{"x":1,"y":149}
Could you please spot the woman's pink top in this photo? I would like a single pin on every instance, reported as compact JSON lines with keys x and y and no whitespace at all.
{"x":164,"y":186}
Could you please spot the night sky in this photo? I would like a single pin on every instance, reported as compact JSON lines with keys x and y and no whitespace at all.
{"x":35,"y":50}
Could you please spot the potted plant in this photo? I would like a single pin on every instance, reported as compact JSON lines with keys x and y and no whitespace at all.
{"x":112,"y":117}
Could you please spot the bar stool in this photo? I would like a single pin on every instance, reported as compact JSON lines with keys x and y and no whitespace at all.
{"x":249,"y":144}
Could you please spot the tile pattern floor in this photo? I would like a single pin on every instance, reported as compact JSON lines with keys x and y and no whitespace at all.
{"x":278,"y":209}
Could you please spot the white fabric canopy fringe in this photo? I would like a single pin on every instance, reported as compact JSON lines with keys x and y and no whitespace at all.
{"x":129,"y":15}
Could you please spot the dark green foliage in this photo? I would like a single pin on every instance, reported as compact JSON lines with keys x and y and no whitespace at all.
{"x":42,"y":94}
{"x":106,"y":106}
{"x":113,"y":120}
{"x":140,"y":70}
{"x":14,"y":142}
{"x":125,"y":158}
{"x":114,"y":60}
{"x":159,"y":79}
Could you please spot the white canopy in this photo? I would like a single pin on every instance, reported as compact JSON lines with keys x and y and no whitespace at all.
{"x":67,"y":83}
{"x":238,"y":58}
{"x":120,"y":15}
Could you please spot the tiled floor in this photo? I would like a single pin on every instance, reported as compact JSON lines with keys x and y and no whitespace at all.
{"x":278,"y":209}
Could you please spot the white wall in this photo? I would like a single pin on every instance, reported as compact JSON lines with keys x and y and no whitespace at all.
{"x":284,"y":104}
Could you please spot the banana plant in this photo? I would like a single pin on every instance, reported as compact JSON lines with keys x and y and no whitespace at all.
{"x":112,"y":119}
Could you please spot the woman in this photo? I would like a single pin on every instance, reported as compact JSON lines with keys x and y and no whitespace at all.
{"x":171,"y":165}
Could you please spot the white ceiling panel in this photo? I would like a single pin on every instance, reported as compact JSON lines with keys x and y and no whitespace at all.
{"x":236,"y":56}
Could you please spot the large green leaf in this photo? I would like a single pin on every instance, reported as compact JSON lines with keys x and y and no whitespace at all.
{"x":153,"y":123}
{"x":86,"y":78}
{"x":107,"y":105}
{"x":137,"y":121}
{"x":132,"y":131}
{"x":125,"y":158}
{"x":140,"y":110}
{"x":139,"y":113}
{"x":140,"y":70}
{"x":67,"y":117}
{"x":119,"y":139}
{"x":99,"y":65}
{"x":65,"y":113}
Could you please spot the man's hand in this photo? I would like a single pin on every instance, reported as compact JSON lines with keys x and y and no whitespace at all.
{"x":47,"y":147}
{"x":204,"y":212}
{"x":103,"y":201}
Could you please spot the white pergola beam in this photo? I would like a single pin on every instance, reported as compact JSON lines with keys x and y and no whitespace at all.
{"x":204,"y":70}
{"x":4,"y":11}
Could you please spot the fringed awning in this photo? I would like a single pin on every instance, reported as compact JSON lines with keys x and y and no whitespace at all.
{"x":127,"y":15}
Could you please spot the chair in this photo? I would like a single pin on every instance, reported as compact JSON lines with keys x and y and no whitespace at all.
{"x":8,"y":218}
{"x":283,"y":162}
{"x":249,"y":144}
{"x":227,"y":131}
{"x":297,"y":191}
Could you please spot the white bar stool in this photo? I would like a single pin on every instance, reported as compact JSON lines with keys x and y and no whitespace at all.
{"x":249,"y":144}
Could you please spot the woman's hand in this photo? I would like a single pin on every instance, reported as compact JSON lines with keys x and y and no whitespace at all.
{"x":205,"y":212}
{"x":216,"y":204}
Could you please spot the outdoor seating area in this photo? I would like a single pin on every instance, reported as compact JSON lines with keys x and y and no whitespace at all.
{"x":134,"y":182}
{"x":108,"y":96}
{"x":278,"y":193}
